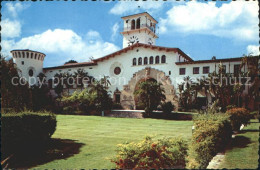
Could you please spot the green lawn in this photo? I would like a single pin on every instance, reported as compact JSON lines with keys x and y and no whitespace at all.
{"x":92,"y":139}
{"x":243,"y":153}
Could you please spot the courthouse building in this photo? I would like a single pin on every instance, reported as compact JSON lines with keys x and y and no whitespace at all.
{"x":139,"y":59}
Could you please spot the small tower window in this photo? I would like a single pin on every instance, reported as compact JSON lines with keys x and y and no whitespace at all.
{"x":133,"y":24}
{"x":19,"y":55}
{"x":145,"y":61}
{"x":30,"y":72}
{"x":151,"y":60}
{"x":134,"y":61}
{"x":22,"y":62}
{"x":170,"y":72}
{"x":163,"y":59}
{"x":139,"y":61}
{"x":157,"y":59}
{"x":27,"y":55}
{"x":35,"y":56}
{"x":31,"y":55}
{"x":23,"y":55}
{"x":138,"y":23}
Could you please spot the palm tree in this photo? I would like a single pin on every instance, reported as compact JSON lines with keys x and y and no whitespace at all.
{"x":105,"y":81}
{"x":151,"y":94}
{"x":80,"y":75}
{"x":68,"y":80}
{"x":252,"y":63}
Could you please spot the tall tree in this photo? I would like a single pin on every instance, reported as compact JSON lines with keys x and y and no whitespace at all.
{"x":15,"y":93}
{"x":150,"y":94}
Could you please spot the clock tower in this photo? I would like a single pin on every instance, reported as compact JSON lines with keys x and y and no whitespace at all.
{"x":139,"y":28}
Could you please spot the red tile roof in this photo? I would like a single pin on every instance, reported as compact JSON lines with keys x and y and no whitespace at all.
{"x":124,"y":50}
{"x":69,"y":65}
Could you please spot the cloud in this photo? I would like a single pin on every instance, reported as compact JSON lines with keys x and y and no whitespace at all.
{"x":114,"y":31}
{"x":10,"y":29}
{"x":124,"y":7}
{"x":64,"y":45}
{"x":253,"y":49}
{"x":237,"y":20}
{"x":15,"y":8}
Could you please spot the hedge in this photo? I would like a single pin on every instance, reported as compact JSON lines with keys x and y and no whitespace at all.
{"x":26,"y":131}
{"x":238,"y":116}
{"x":152,"y":154}
{"x":211,"y":134}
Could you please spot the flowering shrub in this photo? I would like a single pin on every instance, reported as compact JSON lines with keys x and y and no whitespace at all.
{"x":163,"y":153}
{"x":212,"y":133}
{"x":238,"y":116}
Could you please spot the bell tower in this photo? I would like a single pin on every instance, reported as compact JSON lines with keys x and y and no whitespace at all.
{"x":139,"y":28}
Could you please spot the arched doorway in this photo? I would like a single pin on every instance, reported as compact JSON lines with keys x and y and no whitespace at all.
{"x":138,"y":103}
{"x":148,"y":73}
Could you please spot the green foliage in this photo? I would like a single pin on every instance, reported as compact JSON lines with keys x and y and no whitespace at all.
{"x":238,"y":116}
{"x":70,"y":61}
{"x":41,"y":99}
{"x":231,"y":107}
{"x":117,"y":106}
{"x":13,"y":97}
{"x":150,"y":94}
{"x":213,"y":109}
{"x":96,"y":97}
{"x":150,"y":153}
{"x":26,"y":131}
{"x":167,"y":107}
{"x":212,"y":133}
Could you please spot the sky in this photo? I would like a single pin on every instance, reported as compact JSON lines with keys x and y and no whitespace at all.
{"x":82,"y":30}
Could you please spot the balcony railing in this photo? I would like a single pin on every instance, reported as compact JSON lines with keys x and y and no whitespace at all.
{"x":129,"y":28}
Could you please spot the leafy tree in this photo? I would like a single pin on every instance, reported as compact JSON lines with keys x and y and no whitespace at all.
{"x":14,"y":95}
{"x":150,"y":94}
{"x":58,"y":88}
{"x":103,"y":100}
{"x":40,"y":95}
{"x":186,"y":91}
{"x":252,"y":63}
{"x":70,"y":61}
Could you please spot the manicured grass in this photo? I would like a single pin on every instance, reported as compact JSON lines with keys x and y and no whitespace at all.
{"x":243,"y":153}
{"x":100,"y":135}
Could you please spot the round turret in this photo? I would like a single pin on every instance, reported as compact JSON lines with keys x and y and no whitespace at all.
{"x":30,"y":63}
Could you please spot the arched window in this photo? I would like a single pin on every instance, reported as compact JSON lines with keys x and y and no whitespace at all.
{"x":134,"y":61}
{"x":27,"y":54}
{"x":139,"y":61}
{"x":163,"y":59}
{"x":151,"y":60}
{"x":31,"y":55}
{"x":138,"y":23}
{"x":145,"y":60}
{"x":19,"y":54}
{"x":157,"y":59}
{"x":35,"y":56}
{"x":23,"y":54}
{"x":133,"y":24}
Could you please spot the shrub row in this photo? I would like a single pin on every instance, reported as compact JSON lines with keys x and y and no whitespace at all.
{"x":148,"y":154}
{"x":26,"y":131}
{"x":238,"y":116}
{"x":212,"y":133}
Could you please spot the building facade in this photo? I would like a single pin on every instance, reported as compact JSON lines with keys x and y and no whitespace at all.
{"x":138,"y":60}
